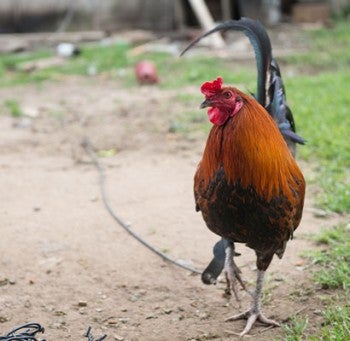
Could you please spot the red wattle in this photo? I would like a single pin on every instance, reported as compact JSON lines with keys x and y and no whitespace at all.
{"x":217,"y":117}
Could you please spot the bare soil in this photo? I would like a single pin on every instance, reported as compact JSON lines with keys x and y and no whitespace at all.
{"x":65,"y":263}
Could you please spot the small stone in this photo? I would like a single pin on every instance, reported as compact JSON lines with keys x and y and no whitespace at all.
{"x":134,"y":298}
{"x":151,"y":316}
{"x":31,"y":112}
{"x":99,"y":310}
{"x":124,"y":319}
{"x":299,"y":263}
{"x":203,"y":315}
{"x":59,"y":313}
{"x":118,"y":338}
{"x":3,"y":319}
{"x":82,"y":311}
{"x":112,"y":322}
{"x":27,"y":304}
{"x":82,"y":304}
{"x":318,"y":213}
{"x":168,"y":311}
{"x":58,"y":324}
{"x":36,"y":208}
{"x":24,"y":123}
{"x":3,"y":282}
{"x":67,"y":50}
{"x":279,"y":279}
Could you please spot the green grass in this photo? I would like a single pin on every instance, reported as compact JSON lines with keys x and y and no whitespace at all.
{"x":320,"y":102}
{"x":329,"y":49}
{"x":334,"y":261}
{"x":175,"y":72}
{"x":332,"y":272}
{"x":336,"y":326}
{"x":14,"y":107}
{"x":294,"y":330}
{"x":99,"y":58}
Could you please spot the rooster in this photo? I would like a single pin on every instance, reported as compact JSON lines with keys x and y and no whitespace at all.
{"x":247,"y":185}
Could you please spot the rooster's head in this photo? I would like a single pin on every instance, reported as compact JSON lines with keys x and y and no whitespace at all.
{"x":223,"y":102}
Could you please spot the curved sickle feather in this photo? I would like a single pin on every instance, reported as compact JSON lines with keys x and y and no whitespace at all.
{"x":260,"y":41}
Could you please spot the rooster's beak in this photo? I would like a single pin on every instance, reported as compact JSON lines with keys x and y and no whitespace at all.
{"x":205,"y":104}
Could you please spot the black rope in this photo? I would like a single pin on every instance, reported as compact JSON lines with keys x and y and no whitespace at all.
{"x":91,"y":337}
{"x":86,"y":144}
{"x":26,"y":332}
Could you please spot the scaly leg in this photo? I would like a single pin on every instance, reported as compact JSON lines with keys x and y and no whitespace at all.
{"x":254,"y":314}
{"x":232,"y":272}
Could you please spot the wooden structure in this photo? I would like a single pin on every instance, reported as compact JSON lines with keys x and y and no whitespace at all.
{"x":156,"y":15}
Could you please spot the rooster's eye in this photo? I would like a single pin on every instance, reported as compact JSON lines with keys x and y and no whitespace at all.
{"x":227,"y":94}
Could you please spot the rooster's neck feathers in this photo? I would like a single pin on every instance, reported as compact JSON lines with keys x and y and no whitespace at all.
{"x":251,"y":151}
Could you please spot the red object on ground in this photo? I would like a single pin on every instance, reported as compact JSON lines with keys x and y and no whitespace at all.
{"x":146,"y":72}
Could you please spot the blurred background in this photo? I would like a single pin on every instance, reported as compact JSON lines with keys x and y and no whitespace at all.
{"x":158,"y":15}
{"x":110,"y":71}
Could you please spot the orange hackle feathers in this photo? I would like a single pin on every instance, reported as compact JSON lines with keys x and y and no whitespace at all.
{"x":251,"y":150}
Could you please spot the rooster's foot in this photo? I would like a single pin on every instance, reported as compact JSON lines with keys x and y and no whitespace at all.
{"x":232,"y":273}
{"x":252,"y":317}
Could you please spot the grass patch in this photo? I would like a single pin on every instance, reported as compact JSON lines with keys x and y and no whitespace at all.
{"x":114,"y":60}
{"x":334,"y":261}
{"x":328,"y":48}
{"x":336,"y":324}
{"x":332,"y":272}
{"x":294,"y":330}
{"x":14,"y":107}
{"x":93,"y":59}
{"x":320,"y":104}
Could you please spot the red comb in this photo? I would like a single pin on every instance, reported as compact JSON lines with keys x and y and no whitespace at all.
{"x":211,"y":88}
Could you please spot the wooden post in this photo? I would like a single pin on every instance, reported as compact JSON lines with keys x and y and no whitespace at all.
{"x":205,"y":19}
{"x":226,"y":9}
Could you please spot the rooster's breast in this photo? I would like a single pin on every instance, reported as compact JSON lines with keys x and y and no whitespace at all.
{"x":240,"y":215}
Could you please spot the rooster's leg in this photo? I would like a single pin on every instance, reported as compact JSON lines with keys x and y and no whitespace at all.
{"x":232,"y":272}
{"x":254,"y":314}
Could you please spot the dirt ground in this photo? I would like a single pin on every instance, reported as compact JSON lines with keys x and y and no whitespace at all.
{"x":65,"y":263}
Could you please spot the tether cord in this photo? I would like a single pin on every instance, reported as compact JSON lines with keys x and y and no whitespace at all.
{"x":86,"y":144}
